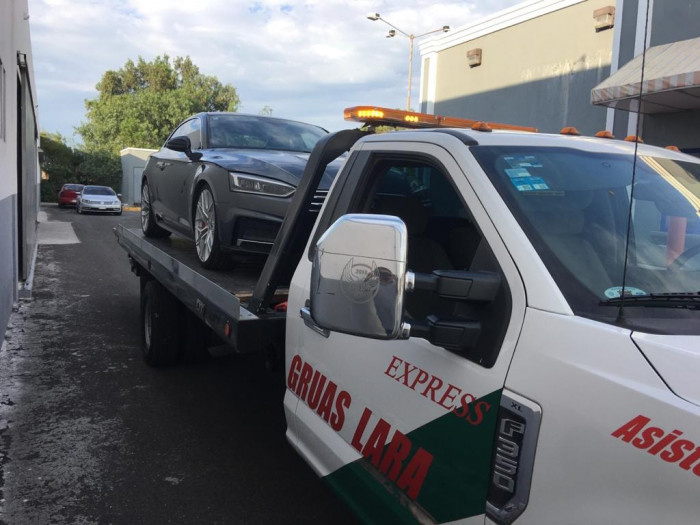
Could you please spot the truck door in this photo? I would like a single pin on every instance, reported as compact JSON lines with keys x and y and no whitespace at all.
{"x":404,"y":430}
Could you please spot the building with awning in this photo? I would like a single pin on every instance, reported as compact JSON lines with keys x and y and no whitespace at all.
{"x":654,"y":94}
{"x":671,"y":80}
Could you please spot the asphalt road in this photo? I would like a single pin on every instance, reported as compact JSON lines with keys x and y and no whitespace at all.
{"x":90,"y":434}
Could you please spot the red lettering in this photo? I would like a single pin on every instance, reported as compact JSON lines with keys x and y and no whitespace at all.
{"x":324,"y":409}
{"x":364,"y":419}
{"x":396,"y":453}
{"x":430,"y":388}
{"x":407,"y":369}
{"x":678,"y":450}
{"x":394,"y":365}
{"x":464,"y":405}
{"x":631,"y":428}
{"x":421,"y":377}
{"x":317,"y":384}
{"x":304,"y":378}
{"x":663,"y":442}
{"x":647,"y":438}
{"x":341,"y":403}
{"x":479,"y":413}
{"x":413,"y":476}
{"x":448,"y":395}
{"x":375,"y":444}
{"x":293,"y":372}
{"x":690,"y":460}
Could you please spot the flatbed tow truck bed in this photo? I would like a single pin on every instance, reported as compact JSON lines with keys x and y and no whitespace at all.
{"x":219,"y":298}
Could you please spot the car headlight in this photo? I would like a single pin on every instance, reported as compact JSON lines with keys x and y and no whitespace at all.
{"x":251,"y":184}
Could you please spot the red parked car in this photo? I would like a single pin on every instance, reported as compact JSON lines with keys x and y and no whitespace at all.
{"x":68,"y":195}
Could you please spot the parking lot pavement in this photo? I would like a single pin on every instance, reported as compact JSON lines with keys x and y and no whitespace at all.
{"x":90,"y":434}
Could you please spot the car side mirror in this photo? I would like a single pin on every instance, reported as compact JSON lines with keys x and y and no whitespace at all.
{"x":183,"y":145}
{"x":358,"y":277}
{"x":119,"y":196}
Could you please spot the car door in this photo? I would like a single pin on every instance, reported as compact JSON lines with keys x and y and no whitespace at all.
{"x":172,"y":170}
{"x":403,"y":430}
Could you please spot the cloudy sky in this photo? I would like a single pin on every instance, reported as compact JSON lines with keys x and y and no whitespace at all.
{"x":306,"y":59}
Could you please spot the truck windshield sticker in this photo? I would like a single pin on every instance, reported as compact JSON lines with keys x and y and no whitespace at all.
{"x":514,"y":173}
{"x":461,"y":403}
{"x":523,"y":161}
{"x":529,"y":183}
{"x":616,"y":291}
{"x":658,"y":442}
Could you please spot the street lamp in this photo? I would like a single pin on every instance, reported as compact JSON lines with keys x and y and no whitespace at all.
{"x":392,"y":32}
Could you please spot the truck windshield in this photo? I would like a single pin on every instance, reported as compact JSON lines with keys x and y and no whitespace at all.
{"x":575,"y":206}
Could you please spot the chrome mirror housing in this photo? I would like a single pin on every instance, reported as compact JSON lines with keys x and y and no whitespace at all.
{"x":358,"y":277}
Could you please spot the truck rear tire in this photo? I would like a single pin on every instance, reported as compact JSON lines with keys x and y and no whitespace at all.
{"x":160,"y":325}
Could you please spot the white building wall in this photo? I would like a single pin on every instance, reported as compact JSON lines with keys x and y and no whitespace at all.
{"x":17,"y":234}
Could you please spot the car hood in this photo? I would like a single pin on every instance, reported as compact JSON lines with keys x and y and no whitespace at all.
{"x":676,"y":359}
{"x":285,"y":166}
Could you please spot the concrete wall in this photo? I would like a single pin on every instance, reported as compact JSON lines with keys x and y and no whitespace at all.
{"x":538,"y":70}
{"x":19,"y":167}
{"x":133,"y":162}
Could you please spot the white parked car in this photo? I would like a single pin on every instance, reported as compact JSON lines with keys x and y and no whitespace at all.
{"x":99,"y":199}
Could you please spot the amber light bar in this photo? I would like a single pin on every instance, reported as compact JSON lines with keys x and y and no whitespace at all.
{"x":376,"y":116}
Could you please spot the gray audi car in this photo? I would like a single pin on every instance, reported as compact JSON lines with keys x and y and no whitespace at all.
{"x":225,"y":180}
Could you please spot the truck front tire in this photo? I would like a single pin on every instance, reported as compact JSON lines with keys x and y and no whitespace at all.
{"x":160,"y":322}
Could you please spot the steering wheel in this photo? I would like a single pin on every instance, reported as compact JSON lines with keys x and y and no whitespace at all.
{"x":684,"y":257}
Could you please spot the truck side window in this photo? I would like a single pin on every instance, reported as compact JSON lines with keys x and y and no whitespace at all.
{"x":442,"y":235}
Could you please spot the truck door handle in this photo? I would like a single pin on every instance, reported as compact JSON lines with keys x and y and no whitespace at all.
{"x":308,"y":321}
{"x":162,"y":165}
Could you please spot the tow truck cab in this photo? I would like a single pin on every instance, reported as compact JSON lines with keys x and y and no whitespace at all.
{"x":490,"y":326}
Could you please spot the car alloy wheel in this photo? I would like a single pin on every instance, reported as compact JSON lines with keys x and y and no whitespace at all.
{"x":205,"y":225}
{"x":145,"y":207}
{"x":149,"y":227}
{"x":205,"y":234}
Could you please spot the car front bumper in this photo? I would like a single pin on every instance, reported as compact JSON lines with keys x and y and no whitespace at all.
{"x":104,"y":208}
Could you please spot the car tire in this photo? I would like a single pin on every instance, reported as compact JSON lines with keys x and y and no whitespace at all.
{"x":206,"y":237}
{"x":148,"y":220}
{"x":160,"y":318}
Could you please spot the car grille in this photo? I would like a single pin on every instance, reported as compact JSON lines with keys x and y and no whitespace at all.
{"x":317,"y":201}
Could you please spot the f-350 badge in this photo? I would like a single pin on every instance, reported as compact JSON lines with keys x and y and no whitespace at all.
{"x":360,"y":282}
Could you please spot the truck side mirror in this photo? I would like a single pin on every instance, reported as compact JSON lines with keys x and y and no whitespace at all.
{"x":358,"y":277}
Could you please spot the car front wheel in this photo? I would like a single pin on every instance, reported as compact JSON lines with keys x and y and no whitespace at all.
{"x":206,"y":239}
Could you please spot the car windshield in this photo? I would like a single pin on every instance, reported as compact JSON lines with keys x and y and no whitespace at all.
{"x":575,"y":208}
{"x":98,"y":190}
{"x":73,"y":187}
{"x":241,"y":131}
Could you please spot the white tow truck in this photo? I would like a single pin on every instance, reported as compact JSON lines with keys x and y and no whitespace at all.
{"x":484,"y":324}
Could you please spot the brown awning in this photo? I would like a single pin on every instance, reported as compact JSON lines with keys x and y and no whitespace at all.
{"x":671,"y":80}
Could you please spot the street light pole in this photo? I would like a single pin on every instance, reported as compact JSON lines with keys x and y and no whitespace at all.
{"x":411,"y":37}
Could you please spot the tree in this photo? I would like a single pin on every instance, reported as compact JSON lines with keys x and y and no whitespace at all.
{"x":65,"y":165}
{"x":141,"y":103}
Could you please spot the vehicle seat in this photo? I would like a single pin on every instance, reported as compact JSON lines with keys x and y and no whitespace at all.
{"x":561,"y":222}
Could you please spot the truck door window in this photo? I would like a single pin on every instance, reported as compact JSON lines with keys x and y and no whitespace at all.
{"x":442,"y":235}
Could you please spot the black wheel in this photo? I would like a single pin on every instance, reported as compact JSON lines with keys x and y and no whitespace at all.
{"x":148,"y":221}
{"x":195,"y":339}
{"x":160,"y":325}
{"x":206,"y":238}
